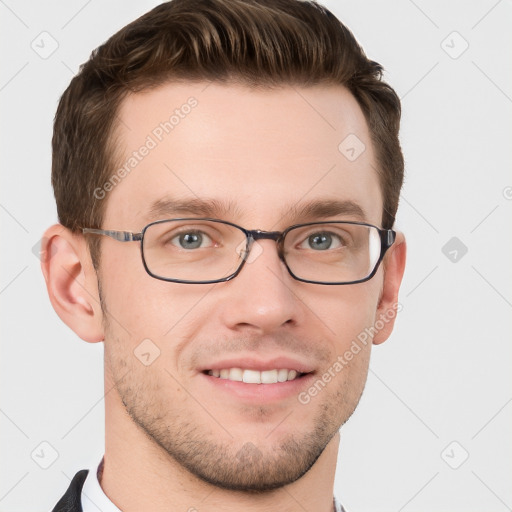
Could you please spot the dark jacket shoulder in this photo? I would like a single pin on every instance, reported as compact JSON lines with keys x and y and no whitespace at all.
{"x":72,"y":499}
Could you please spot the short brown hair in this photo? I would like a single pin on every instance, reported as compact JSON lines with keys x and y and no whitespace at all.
{"x":267,"y":43}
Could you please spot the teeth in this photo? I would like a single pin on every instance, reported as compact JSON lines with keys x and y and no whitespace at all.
{"x":269,"y":377}
{"x":235,"y":374}
{"x":252,"y":377}
{"x":255,"y":376}
{"x":282,"y":375}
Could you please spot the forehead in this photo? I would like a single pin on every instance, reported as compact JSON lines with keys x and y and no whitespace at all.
{"x":259,"y":152}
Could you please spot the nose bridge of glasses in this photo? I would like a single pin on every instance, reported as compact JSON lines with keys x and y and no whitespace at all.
{"x":258,"y":234}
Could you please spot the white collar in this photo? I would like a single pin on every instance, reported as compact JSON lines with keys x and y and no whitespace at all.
{"x":93,"y":497}
{"x":95,"y":500}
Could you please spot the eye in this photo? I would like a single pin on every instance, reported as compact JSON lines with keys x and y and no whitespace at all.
{"x":191,"y":240}
{"x":322,"y":241}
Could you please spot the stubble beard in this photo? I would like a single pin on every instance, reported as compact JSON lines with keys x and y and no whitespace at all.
{"x":237,"y":465}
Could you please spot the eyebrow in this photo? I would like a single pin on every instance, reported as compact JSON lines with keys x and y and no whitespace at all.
{"x":319,"y":209}
{"x":193,"y":206}
{"x":213,"y":208}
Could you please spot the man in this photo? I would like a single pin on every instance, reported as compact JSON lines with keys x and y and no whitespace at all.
{"x":227,"y":174}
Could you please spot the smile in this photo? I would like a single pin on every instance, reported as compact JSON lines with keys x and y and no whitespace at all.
{"x":255,"y":376}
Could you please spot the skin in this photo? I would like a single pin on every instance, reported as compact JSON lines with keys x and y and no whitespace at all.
{"x":172,"y":438}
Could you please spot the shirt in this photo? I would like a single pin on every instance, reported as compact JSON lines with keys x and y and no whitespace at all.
{"x":95,"y":500}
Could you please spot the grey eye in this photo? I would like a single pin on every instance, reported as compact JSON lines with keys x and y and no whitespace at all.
{"x":320,"y":241}
{"x":190,"y":240}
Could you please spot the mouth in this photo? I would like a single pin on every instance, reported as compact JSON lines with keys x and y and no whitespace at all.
{"x":251,"y":379}
{"x":250,"y":376}
{"x":250,"y":386}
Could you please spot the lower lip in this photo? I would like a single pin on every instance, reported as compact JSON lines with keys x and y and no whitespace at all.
{"x":261,"y":392}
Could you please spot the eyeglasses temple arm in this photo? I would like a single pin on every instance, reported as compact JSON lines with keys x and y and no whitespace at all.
{"x":391,"y":237}
{"x":120,"y":236}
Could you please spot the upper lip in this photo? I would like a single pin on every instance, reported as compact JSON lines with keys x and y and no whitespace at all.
{"x":252,"y":363}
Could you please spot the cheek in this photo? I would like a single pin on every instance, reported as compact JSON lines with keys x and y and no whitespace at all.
{"x":346,"y":311}
{"x":140,"y":306}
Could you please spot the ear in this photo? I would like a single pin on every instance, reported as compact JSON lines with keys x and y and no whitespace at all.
{"x":71,"y":282}
{"x":388,"y":307}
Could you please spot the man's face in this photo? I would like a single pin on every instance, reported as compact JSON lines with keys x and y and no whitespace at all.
{"x":266,"y":153}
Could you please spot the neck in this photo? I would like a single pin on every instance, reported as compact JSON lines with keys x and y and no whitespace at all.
{"x":139,"y":475}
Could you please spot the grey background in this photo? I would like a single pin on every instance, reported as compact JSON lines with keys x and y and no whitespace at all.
{"x":432,"y":431}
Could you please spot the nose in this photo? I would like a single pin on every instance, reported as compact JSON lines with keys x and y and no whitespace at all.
{"x":261,"y":298}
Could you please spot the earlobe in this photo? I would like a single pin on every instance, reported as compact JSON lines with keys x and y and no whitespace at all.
{"x":389,"y":305}
{"x":71,"y":282}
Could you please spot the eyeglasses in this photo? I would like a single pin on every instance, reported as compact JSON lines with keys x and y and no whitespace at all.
{"x":204,"y":250}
